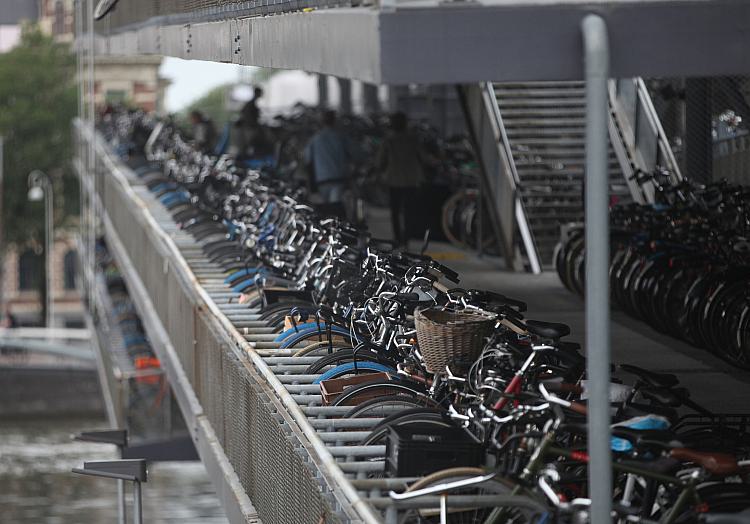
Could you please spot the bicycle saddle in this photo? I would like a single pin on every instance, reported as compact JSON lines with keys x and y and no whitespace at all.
{"x":551,"y":330}
{"x":647,"y":438}
{"x":660,"y":465}
{"x":659,"y":380}
{"x":721,"y":464}
{"x":662,"y":396}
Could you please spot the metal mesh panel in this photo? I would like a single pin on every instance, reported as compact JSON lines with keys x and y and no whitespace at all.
{"x":179,"y":312}
{"x":707,"y":120}
{"x":138,"y":12}
{"x":208,"y":376}
{"x":267,"y":457}
{"x":263,"y":455}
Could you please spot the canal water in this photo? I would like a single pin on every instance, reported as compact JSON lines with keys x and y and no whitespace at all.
{"x":36,"y":485}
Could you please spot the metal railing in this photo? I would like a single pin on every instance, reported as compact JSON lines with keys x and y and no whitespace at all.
{"x":499,"y":177}
{"x":645,"y":142}
{"x":282,"y":465}
{"x":731,"y":159}
{"x":512,"y":178}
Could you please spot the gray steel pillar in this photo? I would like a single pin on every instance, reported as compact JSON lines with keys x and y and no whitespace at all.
{"x":121,"y":511}
{"x":596,"y":64}
{"x":323,"y":100}
{"x":137,"y":503}
{"x":345,"y":96}
{"x":698,"y":137}
{"x":370,"y":98}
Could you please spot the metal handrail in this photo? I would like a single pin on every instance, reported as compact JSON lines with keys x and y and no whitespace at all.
{"x":254,"y":363}
{"x":490,"y":101}
{"x":644,"y":98}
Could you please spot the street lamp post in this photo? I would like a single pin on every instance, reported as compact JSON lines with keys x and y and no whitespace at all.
{"x":40,"y":188}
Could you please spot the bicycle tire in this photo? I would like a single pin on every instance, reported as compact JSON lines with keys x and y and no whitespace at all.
{"x":351,"y":396}
{"x":479,"y":514}
{"x":427,"y":416}
{"x":317,"y":346}
{"x":353,"y":368}
{"x":378,"y":407}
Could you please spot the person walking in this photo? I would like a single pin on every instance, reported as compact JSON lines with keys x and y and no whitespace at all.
{"x":400,"y":160}
{"x":204,"y":131}
{"x":250,"y":111}
{"x":330,"y":155}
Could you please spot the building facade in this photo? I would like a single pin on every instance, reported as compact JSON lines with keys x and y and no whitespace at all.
{"x":130,"y":80}
{"x":23,"y":269}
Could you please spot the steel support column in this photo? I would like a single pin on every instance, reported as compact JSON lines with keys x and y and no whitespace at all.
{"x":596,"y":72}
{"x":323,"y":100}
{"x":345,"y":96}
{"x":371,"y":102}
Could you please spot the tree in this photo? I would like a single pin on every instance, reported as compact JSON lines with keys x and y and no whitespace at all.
{"x":213,"y":104}
{"x":38,"y":100}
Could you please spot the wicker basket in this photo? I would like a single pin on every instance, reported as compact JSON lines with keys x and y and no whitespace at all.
{"x":448,"y":336}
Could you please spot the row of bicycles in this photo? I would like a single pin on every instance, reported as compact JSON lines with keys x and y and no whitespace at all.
{"x":452,"y":168}
{"x":682,"y":266}
{"x":482,"y":410}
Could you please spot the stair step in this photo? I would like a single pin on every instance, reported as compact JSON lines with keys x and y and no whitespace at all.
{"x":516,"y":122}
{"x":514,"y":113}
{"x":553,"y":150}
{"x":540,"y":84}
{"x":564,"y":104}
{"x":538,"y":92}
{"x":552,"y":140}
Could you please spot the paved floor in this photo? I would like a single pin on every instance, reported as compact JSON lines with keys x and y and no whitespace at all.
{"x":711,"y":381}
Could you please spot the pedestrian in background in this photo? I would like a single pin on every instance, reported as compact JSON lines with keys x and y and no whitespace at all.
{"x":204,"y":132}
{"x":400,"y":160}
{"x":251,"y":112}
{"x":330,"y":156}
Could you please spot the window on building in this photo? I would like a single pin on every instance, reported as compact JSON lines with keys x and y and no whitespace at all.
{"x":70,"y":270}
{"x":29,"y":270}
{"x":58,"y":26}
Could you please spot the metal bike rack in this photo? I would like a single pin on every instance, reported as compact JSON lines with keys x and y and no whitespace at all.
{"x":227,"y":378}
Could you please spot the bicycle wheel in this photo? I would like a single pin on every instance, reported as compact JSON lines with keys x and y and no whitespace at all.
{"x":357,"y":394}
{"x":342,"y":357}
{"x":353,"y":368}
{"x":473,"y":504}
{"x":381,"y":407}
{"x":415,"y":416}
{"x":318,"y":348}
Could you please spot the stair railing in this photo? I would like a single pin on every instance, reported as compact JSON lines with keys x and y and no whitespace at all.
{"x":493,"y":110}
{"x":646,"y":143}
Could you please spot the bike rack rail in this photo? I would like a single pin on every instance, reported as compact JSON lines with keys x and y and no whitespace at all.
{"x":274,"y":452}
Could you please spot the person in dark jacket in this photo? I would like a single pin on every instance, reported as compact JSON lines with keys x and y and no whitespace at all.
{"x":330,"y":155}
{"x":204,"y":131}
{"x":400,"y":161}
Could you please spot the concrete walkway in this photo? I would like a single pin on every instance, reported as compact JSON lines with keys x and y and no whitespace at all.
{"x":711,"y":381}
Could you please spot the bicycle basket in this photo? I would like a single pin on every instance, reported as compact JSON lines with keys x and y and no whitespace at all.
{"x":449,"y":336}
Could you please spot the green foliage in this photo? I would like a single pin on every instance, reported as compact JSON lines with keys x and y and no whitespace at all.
{"x":212,"y":104}
{"x":38,"y":100}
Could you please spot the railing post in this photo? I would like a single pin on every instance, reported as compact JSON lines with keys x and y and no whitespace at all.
{"x":596,"y":63}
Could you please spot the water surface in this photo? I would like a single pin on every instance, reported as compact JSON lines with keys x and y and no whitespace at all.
{"x":36,"y":485}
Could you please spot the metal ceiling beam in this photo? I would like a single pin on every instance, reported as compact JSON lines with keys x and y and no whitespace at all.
{"x":505,"y":41}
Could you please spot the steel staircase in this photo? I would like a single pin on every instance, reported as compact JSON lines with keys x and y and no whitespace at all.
{"x":545,"y":126}
{"x":531,"y":142}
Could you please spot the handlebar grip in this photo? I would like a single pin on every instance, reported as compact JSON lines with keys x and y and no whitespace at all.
{"x":447,"y":272}
{"x":407,"y":297}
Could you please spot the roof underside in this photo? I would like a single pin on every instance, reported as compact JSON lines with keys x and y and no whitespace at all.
{"x":463,"y":42}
